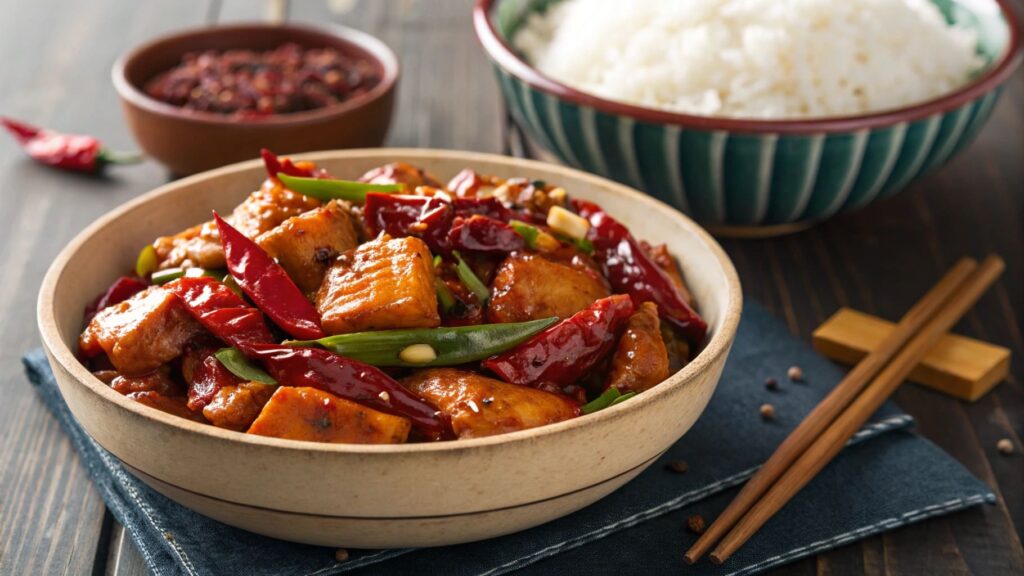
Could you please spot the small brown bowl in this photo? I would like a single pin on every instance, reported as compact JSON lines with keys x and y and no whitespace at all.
{"x":190,"y":141}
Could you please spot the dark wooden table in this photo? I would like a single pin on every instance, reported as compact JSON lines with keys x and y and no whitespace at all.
{"x":58,"y":55}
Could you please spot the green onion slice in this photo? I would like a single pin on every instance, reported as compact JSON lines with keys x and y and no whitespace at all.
{"x":470,"y":280}
{"x":623,"y":398}
{"x":454,"y":345}
{"x":528,"y":232}
{"x":601,"y":402}
{"x":324,"y":189}
{"x":239,"y":365}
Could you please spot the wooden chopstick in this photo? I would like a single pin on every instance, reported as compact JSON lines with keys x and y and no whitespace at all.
{"x":830,"y":407}
{"x":831,"y":442}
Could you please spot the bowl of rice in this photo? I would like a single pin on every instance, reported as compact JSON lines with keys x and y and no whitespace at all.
{"x":752,"y":116}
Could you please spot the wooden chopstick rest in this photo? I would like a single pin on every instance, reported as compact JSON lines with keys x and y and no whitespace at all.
{"x":958,"y":366}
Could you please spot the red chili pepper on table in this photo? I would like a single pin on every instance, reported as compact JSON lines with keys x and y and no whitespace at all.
{"x":275,"y":165}
{"x":267,"y":284}
{"x":568,"y":350}
{"x":66,"y":151}
{"x":221,"y":311}
{"x":630,"y":270}
{"x":350,"y":379}
{"x":484,"y":234}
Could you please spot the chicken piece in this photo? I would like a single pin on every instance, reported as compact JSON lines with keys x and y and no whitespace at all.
{"x":264,"y":209}
{"x":640,"y":360}
{"x":401,"y":173}
{"x":105,"y":376}
{"x":175,"y":405}
{"x":159,"y":381}
{"x":666,"y":262}
{"x":198,"y":246}
{"x":141,"y":333}
{"x":678,"y":348}
{"x":305,"y":245}
{"x":384,"y":283}
{"x":236,"y":407}
{"x":481,"y":406}
{"x":529,"y":287}
{"x":310,"y":414}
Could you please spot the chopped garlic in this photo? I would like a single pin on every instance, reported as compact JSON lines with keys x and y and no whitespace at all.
{"x":418,"y":354}
{"x":565,"y":222}
{"x":558,"y":195}
{"x":546,"y":242}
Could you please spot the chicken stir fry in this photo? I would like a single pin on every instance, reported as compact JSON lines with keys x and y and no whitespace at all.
{"x":393,"y":309}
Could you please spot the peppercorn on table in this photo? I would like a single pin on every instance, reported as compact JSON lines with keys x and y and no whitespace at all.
{"x":877,"y":261}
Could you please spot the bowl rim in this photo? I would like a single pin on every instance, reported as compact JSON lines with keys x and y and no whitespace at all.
{"x":717,"y":346}
{"x":379,"y":51}
{"x":502,"y":53}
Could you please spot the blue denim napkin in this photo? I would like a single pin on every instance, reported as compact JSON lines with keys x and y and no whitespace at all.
{"x":886,"y":478}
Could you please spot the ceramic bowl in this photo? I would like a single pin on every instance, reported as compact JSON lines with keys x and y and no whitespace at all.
{"x":777,"y":175}
{"x":381,"y":496}
{"x":189,"y":141}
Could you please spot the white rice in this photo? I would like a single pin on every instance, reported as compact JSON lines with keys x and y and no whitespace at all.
{"x":752,"y":58}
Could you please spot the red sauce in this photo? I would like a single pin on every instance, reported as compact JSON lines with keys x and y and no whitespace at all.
{"x":288,"y":79}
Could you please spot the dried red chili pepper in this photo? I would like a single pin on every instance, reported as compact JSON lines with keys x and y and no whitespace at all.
{"x":275,"y":164}
{"x":221,"y":311}
{"x":267,"y":284}
{"x":426,"y":217}
{"x":122,"y":289}
{"x":465,"y":184}
{"x":66,"y":151}
{"x":490,"y":207}
{"x":208,"y":376}
{"x":350,"y":379}
{"x":565,"y":352}
{"x":484,"y":234}
{"x":630,"y":270}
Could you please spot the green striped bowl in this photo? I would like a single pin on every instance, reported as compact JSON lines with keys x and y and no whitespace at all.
{"x":752,"y":173}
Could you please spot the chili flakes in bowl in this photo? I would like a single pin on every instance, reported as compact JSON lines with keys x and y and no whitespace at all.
{"x":284,"y":80}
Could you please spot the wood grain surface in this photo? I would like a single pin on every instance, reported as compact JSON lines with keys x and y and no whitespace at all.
{"x":56,"y":72}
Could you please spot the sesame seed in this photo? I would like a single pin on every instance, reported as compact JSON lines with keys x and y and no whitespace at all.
{"x":767,"y":411}
{"x":341,"y":555}
{"x":1005,"y":446}
{"x":384,"y":396}
{"x":771,"y":384}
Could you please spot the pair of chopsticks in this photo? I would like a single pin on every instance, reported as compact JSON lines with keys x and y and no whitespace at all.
{"x":824,"y":432}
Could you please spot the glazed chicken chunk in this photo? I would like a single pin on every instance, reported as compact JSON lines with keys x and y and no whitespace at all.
{"x":530,"y":286}
{"x":141,"y":333}
{"x":410,"y":176}
{"x":480,"y":406}
{"x":310,"y":414}
{"x":305,"y":245}
{"x":264,"y":209}
{"x":384,"y":283}
{"x":236,"y":407}
{"x":641,"y":360}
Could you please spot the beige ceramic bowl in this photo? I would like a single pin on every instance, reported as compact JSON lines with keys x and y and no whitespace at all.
{"x":382,"y":496}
